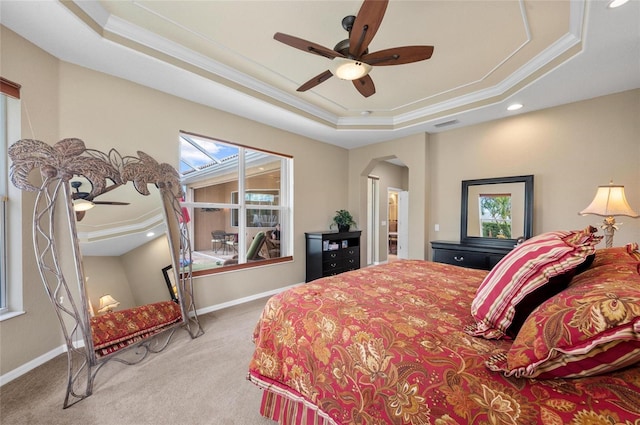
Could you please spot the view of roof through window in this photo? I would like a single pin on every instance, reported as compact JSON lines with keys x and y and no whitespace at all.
{"x":198,"y":153}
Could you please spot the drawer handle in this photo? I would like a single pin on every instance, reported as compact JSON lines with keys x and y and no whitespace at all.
{"x":351,"y":260}
{"x":333,"y":255}
{"x":333,"y":264}
{"x":458,"y":259}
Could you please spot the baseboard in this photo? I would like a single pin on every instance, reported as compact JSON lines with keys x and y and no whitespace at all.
{"x":19,"y":371}
{"x":239,"y":301}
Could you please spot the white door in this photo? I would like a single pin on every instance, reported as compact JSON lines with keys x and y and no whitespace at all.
{"x":403,"y":224}
{"x":373,"y":231}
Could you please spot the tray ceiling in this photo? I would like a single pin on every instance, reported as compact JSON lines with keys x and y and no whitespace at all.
{"x":222,"y":53}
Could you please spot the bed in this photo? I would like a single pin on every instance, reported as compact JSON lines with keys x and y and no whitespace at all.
{"x":409,"y":342}
{"x":116,"y":330}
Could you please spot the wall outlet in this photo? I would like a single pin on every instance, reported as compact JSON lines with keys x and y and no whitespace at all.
{"x":436,"y":227}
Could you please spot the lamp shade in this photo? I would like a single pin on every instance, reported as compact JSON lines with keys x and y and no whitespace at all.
{"x":349,"y":69}
{"x":107,"y":303}
{"x":609,"y":201}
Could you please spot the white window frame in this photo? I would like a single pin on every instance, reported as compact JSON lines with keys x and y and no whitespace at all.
{"x":11,"y":232}
{"x":285,"y":206}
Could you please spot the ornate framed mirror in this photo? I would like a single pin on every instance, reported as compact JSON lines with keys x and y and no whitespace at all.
{"x":105,"y":226}
{"x":496,"y":211}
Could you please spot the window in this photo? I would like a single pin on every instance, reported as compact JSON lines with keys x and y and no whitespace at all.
{"x":3,"y":208}
{"x":239,"y":201}
{"x":10,"y":210}
{"x":256,"y":217}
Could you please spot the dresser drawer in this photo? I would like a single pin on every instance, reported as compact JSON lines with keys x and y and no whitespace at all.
{"x":351,"y":263}
{"x":332,"y":267}
{"x":352,"y":251}
{"x":494,"y":259}
{"x":332,"y":255}
{"x":466,"y":255}
{"x":471,"y":260}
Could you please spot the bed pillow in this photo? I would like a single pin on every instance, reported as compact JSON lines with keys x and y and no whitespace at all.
{"x":593,"y":327}
{"x":618,"y":254}
{"x":528,"y":275}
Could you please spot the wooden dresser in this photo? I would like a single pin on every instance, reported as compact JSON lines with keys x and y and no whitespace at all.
{"x":464,"y":255}
{"x":330,"y":253}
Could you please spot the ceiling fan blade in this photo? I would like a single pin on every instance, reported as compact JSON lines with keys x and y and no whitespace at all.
{"x":366,"y":25}
{"x":80,"y":215}
{"x":110,"y":203}
{"x":321,"y":78}
{"x":365,"y":86}
{"x":307,"y":46}
{"x":398,"y":55}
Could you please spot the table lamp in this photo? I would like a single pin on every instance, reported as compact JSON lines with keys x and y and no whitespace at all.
{"x":609,"y":202}
{"x":107,"y":304}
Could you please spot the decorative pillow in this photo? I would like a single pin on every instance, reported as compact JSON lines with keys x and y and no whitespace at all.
{"x":590,"y":328}
{"x":618,"y":254}
{"x":528,"y":275}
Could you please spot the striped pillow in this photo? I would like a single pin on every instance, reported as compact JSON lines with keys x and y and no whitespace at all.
{"x":593,"y":327}
{"x":534,"y":271}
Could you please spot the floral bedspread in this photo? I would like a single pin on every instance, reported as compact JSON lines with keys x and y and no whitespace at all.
{"x":386,"y":345}
{"x":116,"y":330}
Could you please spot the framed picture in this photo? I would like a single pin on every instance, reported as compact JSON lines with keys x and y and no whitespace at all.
{"x":345,"y":244}
{"x":169,"y":280}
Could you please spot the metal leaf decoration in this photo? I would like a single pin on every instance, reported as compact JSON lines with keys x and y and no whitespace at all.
{"x":62,"y":160}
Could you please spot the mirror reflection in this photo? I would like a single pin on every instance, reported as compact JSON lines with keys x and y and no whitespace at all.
{"x":496,"y":211}
{"x":124,"y":246}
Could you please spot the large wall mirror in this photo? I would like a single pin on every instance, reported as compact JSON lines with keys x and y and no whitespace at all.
{"x":128,"y":285}
{"x":496,"y":211}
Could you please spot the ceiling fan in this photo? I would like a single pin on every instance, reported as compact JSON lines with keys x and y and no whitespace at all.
{"x":351,"y":58}
{"x":86,"y":201}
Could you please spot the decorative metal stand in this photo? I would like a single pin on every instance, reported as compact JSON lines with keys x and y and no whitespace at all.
{"x":106,"y":171}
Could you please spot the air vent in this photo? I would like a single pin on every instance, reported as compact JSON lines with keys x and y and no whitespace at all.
{"x":447,"y":123}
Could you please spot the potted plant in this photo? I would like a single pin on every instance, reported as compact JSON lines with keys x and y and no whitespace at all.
{"x":343,"y":220}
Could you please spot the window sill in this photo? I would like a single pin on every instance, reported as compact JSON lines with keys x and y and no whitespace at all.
{"x":243,"y":266}
{"x":10,"y":314}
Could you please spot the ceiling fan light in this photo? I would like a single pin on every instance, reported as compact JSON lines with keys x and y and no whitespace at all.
{"x":616,"y":3}
{"x":82,"y":205}
{"x":349,"y":69}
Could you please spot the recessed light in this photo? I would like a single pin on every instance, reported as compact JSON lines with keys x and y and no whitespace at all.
{"x":514,"y":107}
{"x":150,"y":234}
{"x":616,"y":3}
{"x":365,"y":113}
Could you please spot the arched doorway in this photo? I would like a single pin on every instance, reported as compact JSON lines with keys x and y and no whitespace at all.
{"x":384,"y":176}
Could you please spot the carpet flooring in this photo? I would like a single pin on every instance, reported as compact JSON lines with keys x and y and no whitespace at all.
{"x":192,"y":382}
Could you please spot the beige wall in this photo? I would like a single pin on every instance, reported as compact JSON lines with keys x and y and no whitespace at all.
{"x":106,"y":275}
{"x":143,"y":266}
{"x":106,"y":111}
{"x":412,"y":151}
{"x":25,"y":337}
{"x":63,"y":100}
{"x":570,"y":149}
